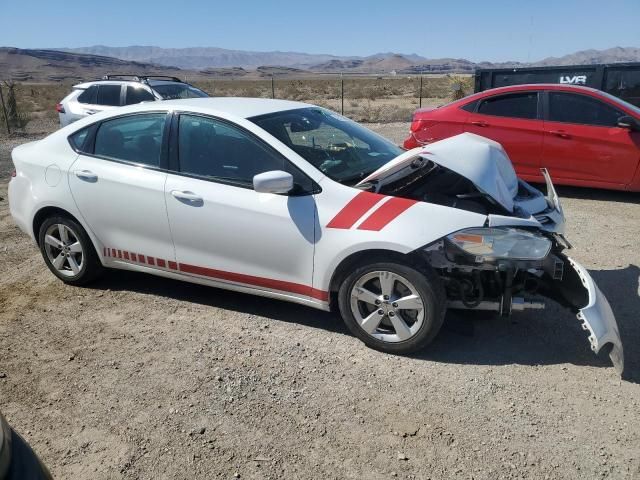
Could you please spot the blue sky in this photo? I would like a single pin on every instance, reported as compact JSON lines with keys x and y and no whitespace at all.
{"x":491,"y":30}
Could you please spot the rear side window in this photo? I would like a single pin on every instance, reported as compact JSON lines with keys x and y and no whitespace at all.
{"x":470,"y":107}
{"x":137,"y":95}
{"x":581,"y":109}
{"x":210,"y":148}
{"x":77,"y":140}
{"x":89,"y":95}
{"x":514,"y":105}
{"x":136,"y":138}
{"x":109,"y":95}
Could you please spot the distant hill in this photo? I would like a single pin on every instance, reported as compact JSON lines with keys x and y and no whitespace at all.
{"x":192,"y":63}
{"x":589,"y":57}
{"x":51,"y":65}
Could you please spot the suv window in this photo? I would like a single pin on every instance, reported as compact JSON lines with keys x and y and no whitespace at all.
{"x":136,"y":138}
{"x":137,"y":95}
{"x":582,"y":109}
{"x":89,"y":95}
{"x":515,"y":105}
{"x":109,"y":95}
{"x":212,"y":148}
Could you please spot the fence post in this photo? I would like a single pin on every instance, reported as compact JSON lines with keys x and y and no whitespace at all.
{"x":273,"y":88}
{"x":341,"y":95}
{"x":420,"y":101}
{"x":4,"y":111}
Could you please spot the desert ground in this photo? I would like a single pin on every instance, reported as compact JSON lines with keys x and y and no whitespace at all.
{"x":137,"y":377}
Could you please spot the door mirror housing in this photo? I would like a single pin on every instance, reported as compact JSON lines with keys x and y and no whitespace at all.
{"x":629,"y":122}
{"x":275,"y":181}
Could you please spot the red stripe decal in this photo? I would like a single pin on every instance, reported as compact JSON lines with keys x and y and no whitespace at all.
{"x":230,"y":276}
{"x":386,"y":213}
{"x":104,"y":251}
{"x":114,"y":253}
{"x":356,"y":208}
{"x":256,"y":281}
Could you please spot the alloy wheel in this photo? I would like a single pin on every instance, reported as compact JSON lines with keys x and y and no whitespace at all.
{"x":387,"y":306}
{"x":64,"y":250}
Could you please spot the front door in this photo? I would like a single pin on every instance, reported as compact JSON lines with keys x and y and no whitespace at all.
{"x":222,"y":229}
{"x":583,"y":142}
{"x":118,"y":186}
{"x":513,"y":120}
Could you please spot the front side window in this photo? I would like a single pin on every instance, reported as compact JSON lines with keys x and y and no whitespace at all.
{"x":208,"y":147}
{"x":581,"y":109}
{"x":137,"y":95}
{"x":176,"y":91}
{"x":109,"y":95}
{"x":514,"y":105}
{"x":136,"y":138}
{"x":340,"y":148}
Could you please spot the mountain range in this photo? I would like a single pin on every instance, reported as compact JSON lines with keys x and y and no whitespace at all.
{"x":200,"y":58}
{"x":91,"y":62}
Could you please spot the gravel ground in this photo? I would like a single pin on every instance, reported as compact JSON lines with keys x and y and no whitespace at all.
{"x":139,"y":377}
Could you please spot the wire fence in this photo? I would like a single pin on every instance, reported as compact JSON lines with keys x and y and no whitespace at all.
{"x":369,"y":99}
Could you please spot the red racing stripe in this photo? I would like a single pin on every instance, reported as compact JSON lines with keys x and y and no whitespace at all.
{"x":255,"y":281}
{"x":386,"y":213}
{"x":354,"y":210}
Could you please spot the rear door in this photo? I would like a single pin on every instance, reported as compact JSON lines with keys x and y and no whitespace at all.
{"x":98,"y":98}
{"x":223,"y":230}
{"x":514,"y":121}
{"x":582,"y":142}
{"x":118,"y":182}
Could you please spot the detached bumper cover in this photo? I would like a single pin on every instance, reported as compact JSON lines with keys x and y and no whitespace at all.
{"x":598,"y":319}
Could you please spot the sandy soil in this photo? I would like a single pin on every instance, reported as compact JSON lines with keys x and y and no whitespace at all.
{"x":142,"y":377}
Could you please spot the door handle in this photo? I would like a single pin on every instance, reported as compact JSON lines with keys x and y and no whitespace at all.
{"x":186,"y":196}
{"x":86,"y":175}
{"x":560,"y":133}
{"x":480,"y":124}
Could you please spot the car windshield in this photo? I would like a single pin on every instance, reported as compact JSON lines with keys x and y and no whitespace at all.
{"x":176,"y":91}
{"x":340,"y":148}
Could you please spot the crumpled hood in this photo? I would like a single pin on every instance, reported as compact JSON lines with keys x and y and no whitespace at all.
{"x":480,"y":160}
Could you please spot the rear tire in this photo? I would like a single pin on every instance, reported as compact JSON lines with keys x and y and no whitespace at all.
{"x":68,"y":252}
{"x":393,"y":307}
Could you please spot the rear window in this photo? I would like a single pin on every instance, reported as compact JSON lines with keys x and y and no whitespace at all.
{"x":89,"y":95}
{"x":514,"y":105}
{"x":108,"y":95}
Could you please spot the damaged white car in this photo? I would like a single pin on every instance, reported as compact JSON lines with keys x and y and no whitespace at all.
{"x":292,"y":201}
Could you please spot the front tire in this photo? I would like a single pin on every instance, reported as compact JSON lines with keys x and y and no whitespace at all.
{"x":68,"y":251}
{"x":392,"y":307}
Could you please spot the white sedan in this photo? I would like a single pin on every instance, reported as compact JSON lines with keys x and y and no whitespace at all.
{"x":295,"y":202}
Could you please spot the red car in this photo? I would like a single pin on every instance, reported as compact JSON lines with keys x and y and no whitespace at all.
{"x":583,"y":136}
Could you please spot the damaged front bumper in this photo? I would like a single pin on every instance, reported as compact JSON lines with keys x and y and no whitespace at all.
{"x":596,"y":314}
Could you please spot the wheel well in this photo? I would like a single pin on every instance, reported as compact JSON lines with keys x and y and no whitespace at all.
{"x":357,"y":259}
{"x":45,"y":213}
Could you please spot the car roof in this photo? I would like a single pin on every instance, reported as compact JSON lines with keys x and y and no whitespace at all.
{"x":538,"y":86}
{"x":242,"y":107}
{"x":151,"y":83}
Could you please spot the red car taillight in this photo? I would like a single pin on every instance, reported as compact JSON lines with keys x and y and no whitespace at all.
{"x":59,"y":108}
{"x":13,"y":174}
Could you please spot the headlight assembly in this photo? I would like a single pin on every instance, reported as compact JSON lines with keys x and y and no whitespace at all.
{"x":501,"y":243}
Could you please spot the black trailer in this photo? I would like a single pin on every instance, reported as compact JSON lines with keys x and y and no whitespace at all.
{"x":619,"y":79}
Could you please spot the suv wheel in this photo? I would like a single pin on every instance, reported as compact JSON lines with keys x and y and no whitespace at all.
{"x":392,"y":307}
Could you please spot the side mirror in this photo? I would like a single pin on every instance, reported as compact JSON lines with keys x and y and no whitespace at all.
{"x":629,"y":122}
{"x":275,"y":181}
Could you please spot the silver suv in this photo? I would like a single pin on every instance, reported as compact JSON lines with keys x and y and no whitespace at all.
{"x":114,"y":91}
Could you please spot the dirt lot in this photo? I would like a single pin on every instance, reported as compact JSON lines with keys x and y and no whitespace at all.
{"x":142,"y":377}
